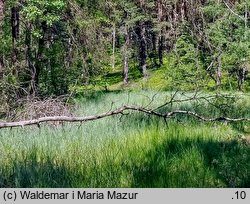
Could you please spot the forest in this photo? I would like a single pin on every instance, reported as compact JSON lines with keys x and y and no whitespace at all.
{"x":124,"y":93}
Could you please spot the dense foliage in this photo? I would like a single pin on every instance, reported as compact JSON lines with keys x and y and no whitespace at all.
{"x":64,"y":57}
{"x":49,"y":47}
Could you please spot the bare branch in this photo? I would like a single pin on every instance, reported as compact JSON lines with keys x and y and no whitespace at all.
{"x":120,"y":110}
{"x":233,"y":11}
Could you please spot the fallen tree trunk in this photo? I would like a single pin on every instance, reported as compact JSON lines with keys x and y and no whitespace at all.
{"x":117,"y":111}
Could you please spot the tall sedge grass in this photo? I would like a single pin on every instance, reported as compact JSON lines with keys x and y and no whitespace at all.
{"x":126,"y":151}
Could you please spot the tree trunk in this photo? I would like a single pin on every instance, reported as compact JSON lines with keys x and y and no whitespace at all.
{"x":1,"y":33}
{"x":246,"y":22}
{"x":1,"y":67}
{"x":183,"y":10}
{"x":160,"y":36}
{"x":160,"y":49}
{"x":241,"y":78}
{"x":143,"y":44}
{"x":114,"y":41}
{"x":218,"y":72}
{"x":143,"y":50}
{"x":39,"y":60}
{"x":154,"y":49}
{"x":1,"y":14}
{"x":29,"y":62}
{"x":1,"y":11}
{"x":126,"y":53}
{"x":15,"y":36}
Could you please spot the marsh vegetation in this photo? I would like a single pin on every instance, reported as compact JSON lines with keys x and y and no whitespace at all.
{"x":134,"y":150}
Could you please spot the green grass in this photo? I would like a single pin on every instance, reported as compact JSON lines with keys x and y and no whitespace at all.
{"x":127,"y":151}
{"x":159,"y":79}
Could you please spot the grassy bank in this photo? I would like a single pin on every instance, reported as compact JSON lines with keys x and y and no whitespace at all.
{"x":127,"y":151}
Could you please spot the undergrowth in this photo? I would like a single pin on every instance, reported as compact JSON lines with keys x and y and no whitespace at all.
{"x":132,"y":150}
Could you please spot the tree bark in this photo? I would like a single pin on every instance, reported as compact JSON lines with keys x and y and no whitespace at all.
{"x":1,"y":14}
{"x":114,"y":42}
{"x":143,"y":44}
{"x":154,"y":55}
{"x":15,"y":35}
{"x":218,"y":72}
{"x":117,"y":111}
{"x":28,"y":46}
{"x":241,"y":78}
{"x":160,"y":36}
{"x":1,"y":10}
{"x":1,"y":33}
{"x":126,"y":57}
{"x":160,"y":49}
{"x":39,"y":61}
{"x":143,"y":50}
{"x":246,"y":22}
{"x":1,"y":67}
